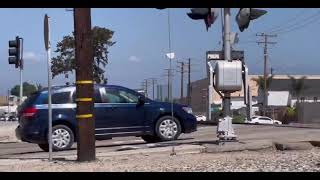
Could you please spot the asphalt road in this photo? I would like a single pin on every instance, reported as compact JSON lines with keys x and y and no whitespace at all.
{"x":204,"y":134}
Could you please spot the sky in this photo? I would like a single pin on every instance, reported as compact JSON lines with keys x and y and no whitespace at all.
{"x":141,"y":37}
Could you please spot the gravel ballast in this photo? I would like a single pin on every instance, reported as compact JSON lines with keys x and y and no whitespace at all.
{"x":252,"y":161}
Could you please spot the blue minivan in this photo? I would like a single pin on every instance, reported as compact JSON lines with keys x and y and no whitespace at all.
{"x":118,"y":111}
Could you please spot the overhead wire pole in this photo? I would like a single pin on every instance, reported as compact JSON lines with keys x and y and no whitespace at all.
{"x":189,"y":82}
{"x":84,"y":85}
{"x":265,"y":76}
{"x":181,"y":81}
{"x":146,"y":87}
{"x":154,"y":81}
{"x":168,"y":77}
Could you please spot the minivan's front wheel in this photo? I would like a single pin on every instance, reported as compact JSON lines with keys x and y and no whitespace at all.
{"x":168,"y":129}
{"x":62,"y":139}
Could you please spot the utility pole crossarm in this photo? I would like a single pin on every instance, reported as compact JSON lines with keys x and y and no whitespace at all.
{"x":263,"y":42}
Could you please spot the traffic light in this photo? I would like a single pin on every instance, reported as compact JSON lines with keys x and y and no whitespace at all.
{"x":245,"y":15}
{"x":209,"y":15}
{"x":14,"y":52}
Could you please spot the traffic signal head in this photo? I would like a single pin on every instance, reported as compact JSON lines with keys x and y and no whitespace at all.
{"x":209,"y":15}
{"x":14,"y":52}
{"x":245,"y":15}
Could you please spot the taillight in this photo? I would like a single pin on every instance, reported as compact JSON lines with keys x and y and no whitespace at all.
{"x":29,"y":112}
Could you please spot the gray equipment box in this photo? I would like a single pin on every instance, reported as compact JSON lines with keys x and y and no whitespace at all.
{"x":228,"y":76}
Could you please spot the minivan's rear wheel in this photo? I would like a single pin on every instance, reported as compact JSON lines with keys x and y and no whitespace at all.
{"x":168,"y":129}
{"x":62,"y":138}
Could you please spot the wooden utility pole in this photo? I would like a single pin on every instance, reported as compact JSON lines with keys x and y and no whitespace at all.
{"x":154,"y":81}
{"x":169,"y":75}
{"x":84,"y":85}
{"x":181,"y":83}
{"x":265,"y":76}
{"x":146,"y":85}
{"x":189,"y":82}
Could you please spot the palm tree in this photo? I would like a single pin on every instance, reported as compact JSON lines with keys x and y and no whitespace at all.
{"x":260,"y":83}
{"x":297,"y":86}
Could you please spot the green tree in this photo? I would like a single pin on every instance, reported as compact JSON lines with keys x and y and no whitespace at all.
{"x":297,"y":86}
{"x":28,"y":89}
{"x":39,"y":87}
{"x":65,"y":63}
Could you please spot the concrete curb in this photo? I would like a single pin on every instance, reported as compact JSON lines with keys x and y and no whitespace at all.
{"x":282,"y":146}
{"x":238,"y":146}
{"x":300,"y":126}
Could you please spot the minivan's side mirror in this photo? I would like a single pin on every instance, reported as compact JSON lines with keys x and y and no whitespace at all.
{"x":141,"y":100}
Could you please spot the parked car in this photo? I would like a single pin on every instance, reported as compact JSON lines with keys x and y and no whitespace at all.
{"x":201,"y":118}
{"x":118,"y":111}
{"x":262,"y":120}
{"x":5,"y":117}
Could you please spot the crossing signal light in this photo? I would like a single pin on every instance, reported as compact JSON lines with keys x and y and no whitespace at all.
{"x":245,"y":15}
{"x":14,"y":52}
{"x":209,"y":15}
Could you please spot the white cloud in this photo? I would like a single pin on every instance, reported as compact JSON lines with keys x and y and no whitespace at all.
{"x":31,"y":57}
{"x":134,"y":59}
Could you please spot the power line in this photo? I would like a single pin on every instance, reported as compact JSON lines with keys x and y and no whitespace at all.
{"x":294,"y":18}
{"x":287,"y":25}
{"x":302,"y":23}
{"x":299,"y":27}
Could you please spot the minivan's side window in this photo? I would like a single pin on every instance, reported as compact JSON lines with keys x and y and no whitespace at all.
{"x":58,"y":98}
{"x":97,"y":96}
{"x":119,"y":96}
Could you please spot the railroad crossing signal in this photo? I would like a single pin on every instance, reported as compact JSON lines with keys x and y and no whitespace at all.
{"x":245,"y":15}
{"x":209,"y":15}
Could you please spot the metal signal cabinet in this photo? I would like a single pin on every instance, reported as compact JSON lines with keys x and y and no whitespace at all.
{"x":228,"y":75}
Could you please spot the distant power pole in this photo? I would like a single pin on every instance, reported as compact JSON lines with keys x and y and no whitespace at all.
{"x":265,"y":42}
{"x":189,"y":82}
{"x":154,"y":81}
{"x":168,"y":76}
{"x":84,"y":85}
{"x":161,"y":95}
{"x":181,"y":84}
{"x":146,"y":86}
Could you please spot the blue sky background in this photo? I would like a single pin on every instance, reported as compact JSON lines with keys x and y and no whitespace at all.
{"x":141,"y":37}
